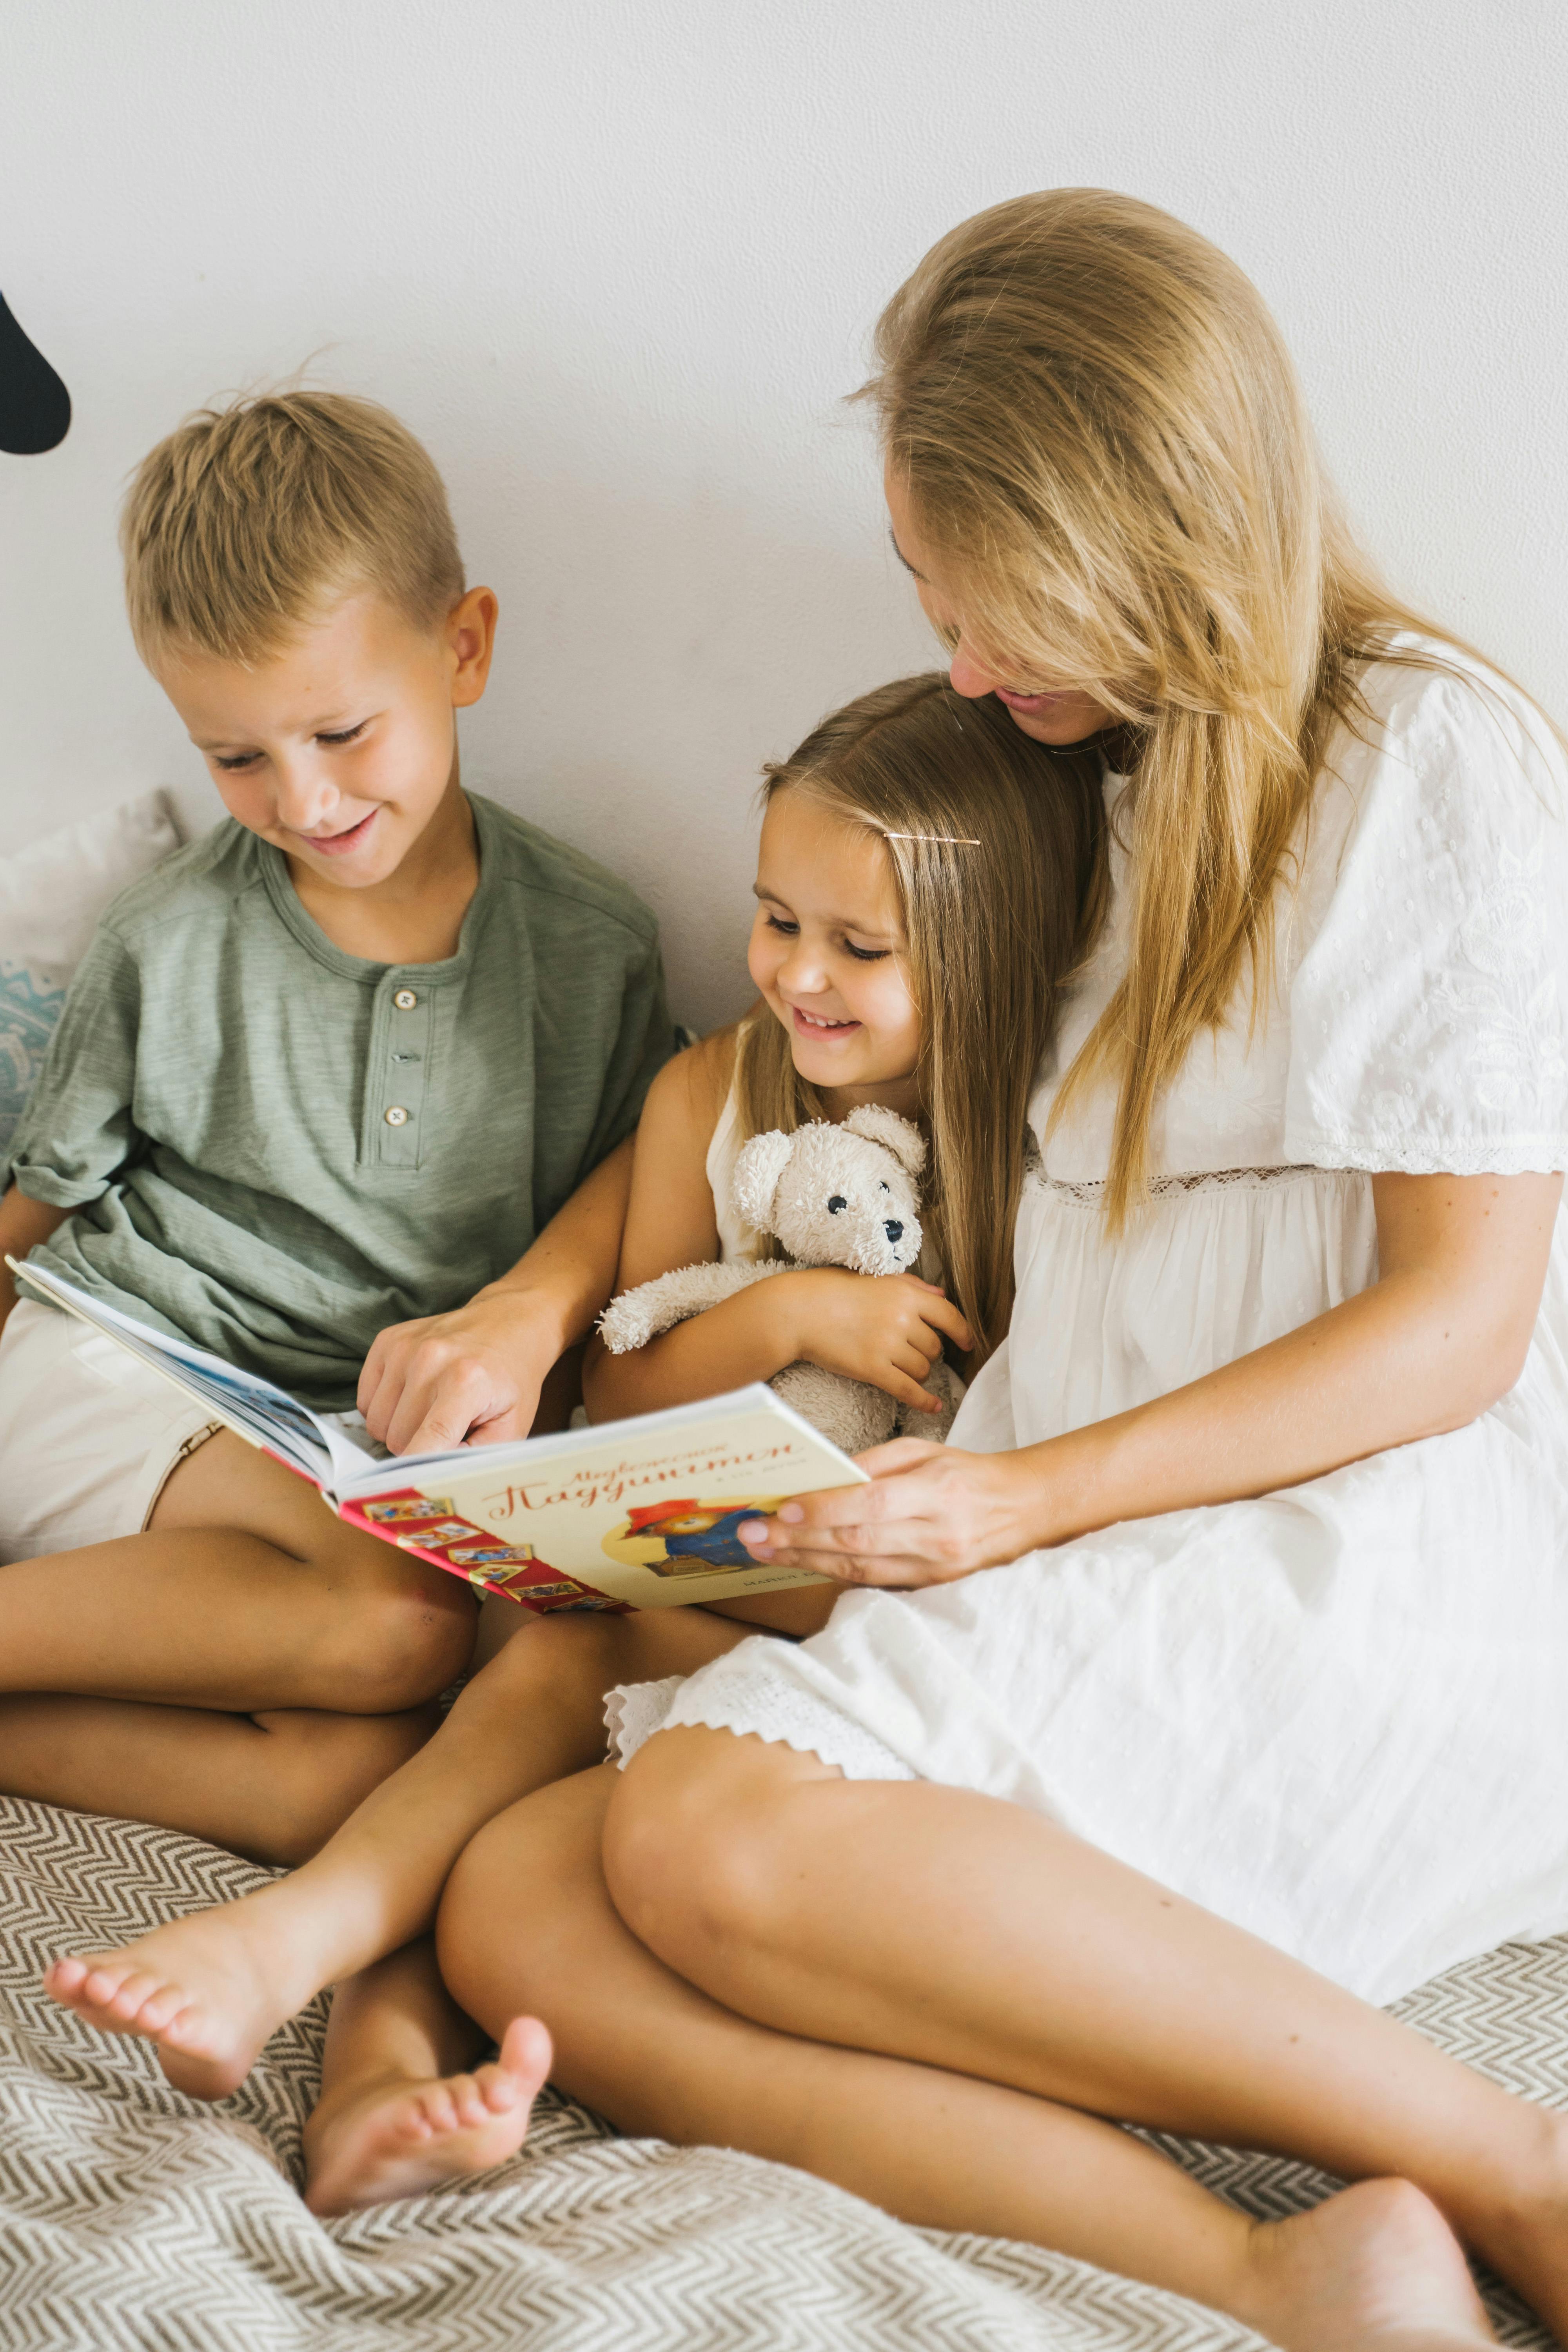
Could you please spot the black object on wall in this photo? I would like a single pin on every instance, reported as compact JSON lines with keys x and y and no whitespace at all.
{"x":35,"y":406}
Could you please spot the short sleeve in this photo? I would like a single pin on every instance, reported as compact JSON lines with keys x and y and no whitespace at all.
{"x":1427,"y":1009}
{"x":643,"y":1042}
{"x":77,"y":1129}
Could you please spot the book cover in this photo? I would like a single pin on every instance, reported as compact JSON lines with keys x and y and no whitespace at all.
{"x":639,"y":1513}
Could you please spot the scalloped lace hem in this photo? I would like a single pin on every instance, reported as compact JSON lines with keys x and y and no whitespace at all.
{"x":768,"y":1706}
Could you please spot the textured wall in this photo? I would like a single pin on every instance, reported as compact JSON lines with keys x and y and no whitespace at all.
{"x":617,"y":263}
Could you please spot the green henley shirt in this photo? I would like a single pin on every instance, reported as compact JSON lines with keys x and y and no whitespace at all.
{"x":276,"y":1150}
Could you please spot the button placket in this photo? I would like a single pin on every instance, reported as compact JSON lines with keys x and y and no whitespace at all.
{"x":400,"y":1047}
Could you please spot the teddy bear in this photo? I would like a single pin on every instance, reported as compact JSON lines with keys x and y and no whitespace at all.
{"x":833,"y":1195}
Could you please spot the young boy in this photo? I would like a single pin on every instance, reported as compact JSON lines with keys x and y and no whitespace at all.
{"x":322,"y":1077}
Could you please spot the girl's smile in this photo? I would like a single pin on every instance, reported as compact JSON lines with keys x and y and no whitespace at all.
{"x":813,"y":1024}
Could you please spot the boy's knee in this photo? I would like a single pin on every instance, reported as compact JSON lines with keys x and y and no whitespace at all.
{"x":400,"y":1638}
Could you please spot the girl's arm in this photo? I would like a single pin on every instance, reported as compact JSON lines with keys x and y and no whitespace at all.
{"x":1439,"y":1337}
{"x":887,"y":1330}
{"x":24,"y":1224}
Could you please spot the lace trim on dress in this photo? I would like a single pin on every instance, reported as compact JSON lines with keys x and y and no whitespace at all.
{"x":634,"y":1712}
{"x":769,"y":1706}
{"x":1164,"y":1187}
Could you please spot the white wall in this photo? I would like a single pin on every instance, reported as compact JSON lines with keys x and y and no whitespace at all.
{"x":617,"y":261}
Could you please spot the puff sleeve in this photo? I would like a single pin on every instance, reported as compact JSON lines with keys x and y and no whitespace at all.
{"x":1428,"y":1008}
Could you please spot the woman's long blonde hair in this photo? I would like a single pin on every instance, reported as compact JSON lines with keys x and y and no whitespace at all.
{"x":1107,"y":453}
{"x":993,"y":841}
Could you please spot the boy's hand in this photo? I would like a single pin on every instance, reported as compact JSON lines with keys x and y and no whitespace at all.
{"x":885,"y":1328}
{"x":472,"y":1374}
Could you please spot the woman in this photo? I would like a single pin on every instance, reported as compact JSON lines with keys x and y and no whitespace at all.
{"x":1271,"y":1485}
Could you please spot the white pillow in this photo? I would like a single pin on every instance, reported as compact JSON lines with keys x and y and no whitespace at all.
{"x":51,"y":896}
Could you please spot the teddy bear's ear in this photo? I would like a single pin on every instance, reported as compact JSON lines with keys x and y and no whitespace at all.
{"x":760,"y":1163}
{"x":905,"y":1141}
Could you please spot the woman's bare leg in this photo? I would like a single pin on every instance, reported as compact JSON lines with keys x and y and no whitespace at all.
{"x":936,"y":1925}
{"x":210,"y":1989}
{"x":403,"y":2106}
{"x":272,"y":1786}
{"x":526,"y":1923}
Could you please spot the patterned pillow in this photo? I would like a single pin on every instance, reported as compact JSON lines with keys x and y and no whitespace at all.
{"x":28,"y":1011}
{"x":51,"y":896}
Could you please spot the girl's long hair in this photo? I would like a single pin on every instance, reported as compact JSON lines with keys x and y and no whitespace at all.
{"x":1108,"y":455}
{"x":993,"y":842}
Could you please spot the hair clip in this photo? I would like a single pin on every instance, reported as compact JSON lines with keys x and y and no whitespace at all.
{"x":952,"y":840}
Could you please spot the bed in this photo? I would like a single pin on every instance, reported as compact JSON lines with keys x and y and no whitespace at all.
{"x":131,"y":2216}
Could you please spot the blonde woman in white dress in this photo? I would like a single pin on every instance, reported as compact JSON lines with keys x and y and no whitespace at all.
{"x":1210,"y":1686}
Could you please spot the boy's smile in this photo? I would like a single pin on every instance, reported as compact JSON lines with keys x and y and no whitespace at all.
{"x":340,"y":749}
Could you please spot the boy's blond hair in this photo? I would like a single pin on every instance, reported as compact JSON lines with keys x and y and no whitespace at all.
{"x":246,"y":519}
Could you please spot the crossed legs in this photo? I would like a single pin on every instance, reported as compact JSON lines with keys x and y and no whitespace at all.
{"x":938,"y":2002}
{"x":246,"y":1669}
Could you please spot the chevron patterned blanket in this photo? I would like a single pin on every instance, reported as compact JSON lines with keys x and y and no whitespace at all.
{"x":132,"y":2218}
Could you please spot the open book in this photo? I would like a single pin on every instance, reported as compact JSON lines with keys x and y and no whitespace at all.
{"x":636,"y":1514}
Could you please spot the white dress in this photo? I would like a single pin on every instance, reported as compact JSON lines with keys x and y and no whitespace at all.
{"x":1337,"y":1716}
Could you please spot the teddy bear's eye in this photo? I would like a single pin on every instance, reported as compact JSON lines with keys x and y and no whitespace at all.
{"x":884,"y":1188}
{"x":837,"y":1202}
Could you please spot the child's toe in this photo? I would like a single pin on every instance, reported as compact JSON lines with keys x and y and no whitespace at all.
{"x":440,"y":2108}
{"x":526,"y":2052}
{"x":500,"y":2091}
{"x":126,"y":2000}
{"x":467,"y":2100}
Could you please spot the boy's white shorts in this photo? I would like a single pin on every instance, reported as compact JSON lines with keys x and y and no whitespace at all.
{"x":88,"y":1435}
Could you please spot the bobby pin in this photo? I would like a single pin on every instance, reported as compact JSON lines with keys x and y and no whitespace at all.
{"x":953,"y":840}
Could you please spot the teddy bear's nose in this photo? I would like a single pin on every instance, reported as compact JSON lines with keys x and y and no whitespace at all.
{"x":893,"y":1230}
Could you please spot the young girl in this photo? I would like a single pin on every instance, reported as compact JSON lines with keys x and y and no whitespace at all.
{"x":922,"y":873}
{"x":1268,"y":1488}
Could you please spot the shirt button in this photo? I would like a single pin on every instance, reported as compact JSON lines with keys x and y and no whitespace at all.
{"x":397,"y":1115}
{"x":406,"y":1000}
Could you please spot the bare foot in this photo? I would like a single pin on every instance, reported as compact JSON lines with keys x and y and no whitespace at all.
{"x":398,"y":2138}
{"x":209,"y":1990}
{"x":1375,"y":2269}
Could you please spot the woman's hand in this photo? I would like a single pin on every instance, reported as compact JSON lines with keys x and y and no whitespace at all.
{"x":884,"y":1328}
{"x":930,"y":1514}
{"x":1436,"y":1339}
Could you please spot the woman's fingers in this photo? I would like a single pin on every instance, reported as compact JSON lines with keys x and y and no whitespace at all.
{"x":809,"y":1516}
{"x":848,"y":1567}
{"x":858,"y":1521}
{"x":928,"y":1513}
